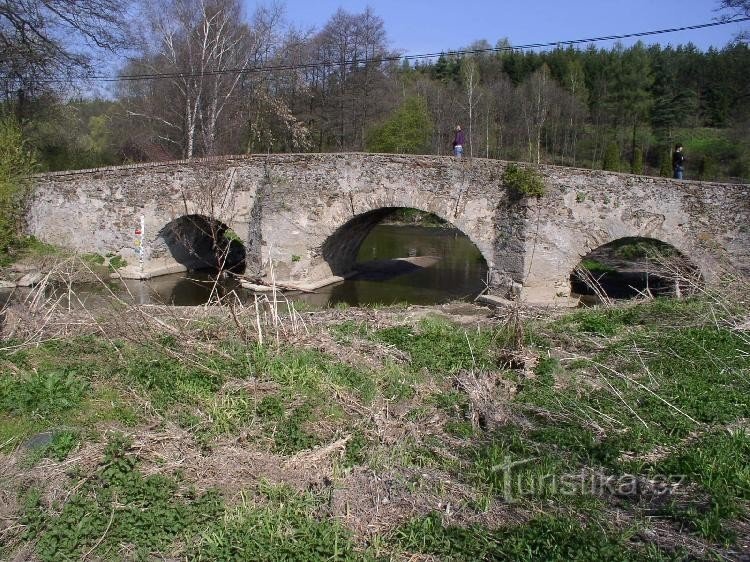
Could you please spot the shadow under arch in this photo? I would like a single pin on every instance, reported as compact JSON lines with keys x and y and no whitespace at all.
{"x":341,"y":249}
{"x":201,"y":243}
{"x":634,"y":266}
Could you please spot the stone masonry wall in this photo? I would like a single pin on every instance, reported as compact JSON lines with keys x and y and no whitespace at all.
{"x":294,"y":212}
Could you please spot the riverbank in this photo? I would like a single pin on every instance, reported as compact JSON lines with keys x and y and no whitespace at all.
{"x":451,"y":432}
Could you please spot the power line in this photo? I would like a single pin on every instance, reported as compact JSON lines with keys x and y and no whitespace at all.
{"x":397,"y":58}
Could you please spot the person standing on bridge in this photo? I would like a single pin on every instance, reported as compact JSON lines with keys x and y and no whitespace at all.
{"x":458,"y":142}
{"x":678,"y":162}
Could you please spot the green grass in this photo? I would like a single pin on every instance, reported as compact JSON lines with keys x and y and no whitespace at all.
{"x":595,"y":266}
{"x":439,"y":348}
{"x":42,"y":394}
{"x":281,"y":525}
{"x":546,"y":538}
{"x":661,"y":373}
{"x":719,"y":463}
{"x":118,"y":506}
{"x":28,"y":247}
{"x":611,"y":388}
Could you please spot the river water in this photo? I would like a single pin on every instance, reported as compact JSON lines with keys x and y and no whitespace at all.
{"x":452,"y":268}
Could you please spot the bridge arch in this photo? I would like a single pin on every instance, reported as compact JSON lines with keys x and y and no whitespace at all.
{"x":317,"y":242}
{"x":197,"y":242}
{"x":628,"y":267}
{"x":340,"y":250}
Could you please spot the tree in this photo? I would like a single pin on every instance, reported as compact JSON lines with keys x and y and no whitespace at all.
{"x":632,"y":97}
{"x":637,"y":165}
{"x":574,"y":82}
{"x":352,"y":83}
{"x":612,"y":157}
{"x":204,"y":50}
{"x":407,"y":131}
{"x":535,"y":102}
{"x":16,"y":163}
{"x":737,"y":7}
{"x":45,"y":42}
{"x":470,"y":78}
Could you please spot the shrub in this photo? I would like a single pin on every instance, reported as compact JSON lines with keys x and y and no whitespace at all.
{"x":523,"y":182}
{"x":16,"y":164}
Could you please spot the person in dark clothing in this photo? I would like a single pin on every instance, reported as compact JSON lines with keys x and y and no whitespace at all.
{"x":458,"y":142}
{"x":678,"y":162}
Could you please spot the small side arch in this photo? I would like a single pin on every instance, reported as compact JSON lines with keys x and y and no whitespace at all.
{"x":197,"y":242}
{"x":634,"y":266}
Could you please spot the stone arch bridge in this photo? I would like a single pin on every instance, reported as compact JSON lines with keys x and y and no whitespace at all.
{"x":306,"y":215}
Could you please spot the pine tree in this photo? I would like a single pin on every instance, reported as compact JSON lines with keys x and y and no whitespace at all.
{"x":637,"y":165}
{"x":612,"y":157}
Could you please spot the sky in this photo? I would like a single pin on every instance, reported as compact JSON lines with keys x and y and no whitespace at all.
{"x":425,"y":26}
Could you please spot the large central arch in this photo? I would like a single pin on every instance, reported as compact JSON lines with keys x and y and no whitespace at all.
{"x":317,"y":243}
{"x":340,"y":251}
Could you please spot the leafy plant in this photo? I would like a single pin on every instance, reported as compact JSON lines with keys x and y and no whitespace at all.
{"x":543,"y":538}
{"x":43,"y":394}
{"x":117,"y":262}
{"x":119,"y":506}
{"x":523,"y":182}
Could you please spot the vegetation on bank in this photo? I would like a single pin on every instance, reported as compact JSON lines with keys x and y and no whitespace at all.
{"x":601,"y":434}
{"x":17,"y":162}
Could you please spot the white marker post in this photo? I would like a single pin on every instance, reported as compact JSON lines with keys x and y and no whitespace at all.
{"x":140,"y":232}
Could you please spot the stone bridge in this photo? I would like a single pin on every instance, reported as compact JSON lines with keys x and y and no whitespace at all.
{"x":302,"y":218}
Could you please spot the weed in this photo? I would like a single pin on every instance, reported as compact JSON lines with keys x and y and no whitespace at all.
{"x":720,"y":464}
{"x":43,"y":394}
{"x":169,"y":382}
{"x":119,"y":506}
{"x":343,"y":332}
{"x":516,"y":468}
{"x":59,"y":447}
{"x":461,"y":428}
{"x":117,"y":262}
{"x":290,"y":435}
{"x":440,"y":348}
{"x":270,"y":407}
{"x":93,"y":260}
{"x":523,"y":182}
{"x":595,"y":266}
{"x":356,"y":450}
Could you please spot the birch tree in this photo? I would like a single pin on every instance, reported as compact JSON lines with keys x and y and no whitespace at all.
{"x":470,"y":76}
{"x":535,"y":107}
{"x":202,"y":53}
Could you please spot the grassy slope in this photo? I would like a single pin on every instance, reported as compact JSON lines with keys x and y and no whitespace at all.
{"x":623,"y":438}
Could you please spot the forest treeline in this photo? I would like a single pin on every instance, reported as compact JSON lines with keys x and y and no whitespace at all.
{"x":193,"y":86}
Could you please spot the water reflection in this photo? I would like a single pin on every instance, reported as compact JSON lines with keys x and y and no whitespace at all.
{"x":436,"y":265}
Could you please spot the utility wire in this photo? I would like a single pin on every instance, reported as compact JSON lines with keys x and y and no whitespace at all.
{"x":397,"y":58}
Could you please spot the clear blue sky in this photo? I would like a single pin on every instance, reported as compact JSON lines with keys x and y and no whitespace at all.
{"x":417,"y":26}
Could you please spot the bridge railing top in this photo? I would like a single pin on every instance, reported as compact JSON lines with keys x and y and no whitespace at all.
{"x":280,"y":157}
